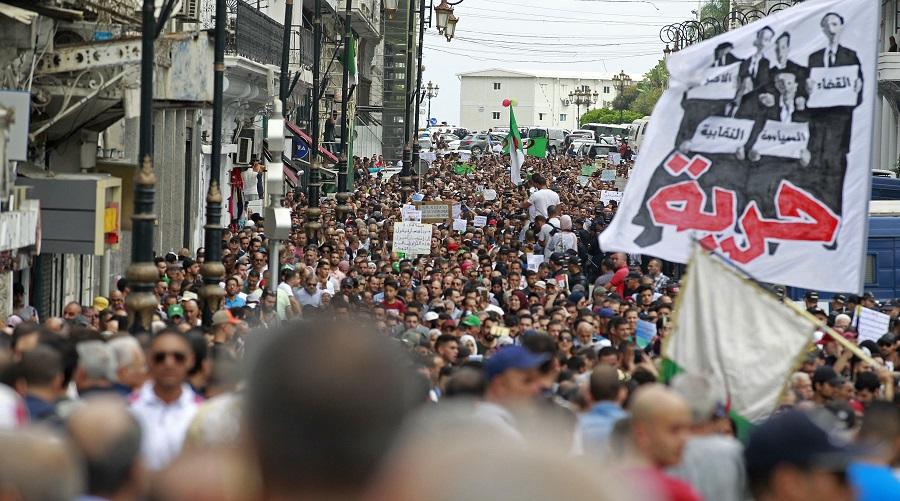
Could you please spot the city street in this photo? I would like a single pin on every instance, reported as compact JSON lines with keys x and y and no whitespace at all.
{"x":450,"y":250}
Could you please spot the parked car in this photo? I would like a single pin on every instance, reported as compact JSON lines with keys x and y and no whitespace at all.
{"x":637,"y":131}
{"x":476,"y":143}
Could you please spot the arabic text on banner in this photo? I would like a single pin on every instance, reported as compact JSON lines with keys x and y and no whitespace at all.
{"x":412,"y":239}
{"x":721,"y":135}
{"x":835,"y":86}
{"x":459,"y":225}
{"x":720,"y":82}
{"x":480,"y":221}
{"x":780,"y":139}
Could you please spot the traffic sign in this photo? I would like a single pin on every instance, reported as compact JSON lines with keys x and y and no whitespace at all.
{"x":301,"y":149}
{"x":433,"y":121}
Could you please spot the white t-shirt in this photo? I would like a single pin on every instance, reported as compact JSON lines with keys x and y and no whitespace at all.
{"x":540,"y":200}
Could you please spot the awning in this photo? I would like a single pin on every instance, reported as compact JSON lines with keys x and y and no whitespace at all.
{"x":20,"y":15}
{"x":291,"y":176}
{"x":297,"y":131}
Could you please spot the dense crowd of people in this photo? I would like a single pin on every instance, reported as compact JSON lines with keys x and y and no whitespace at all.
{"x":505,"y":364}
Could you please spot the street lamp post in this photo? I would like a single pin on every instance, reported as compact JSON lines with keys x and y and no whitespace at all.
{"x":582,"y":97}
{"x":313,"y":212}
{"x":622,"y":81}
{"x":429,"y":92}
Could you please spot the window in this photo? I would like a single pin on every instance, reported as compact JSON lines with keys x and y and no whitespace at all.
{"x":540,"y":116}
{"x":869,"y":275}
{"x":496,"y":85}
{"x":495,"y":115}
{"x":606,"y":89}
{"x":562,"y":117}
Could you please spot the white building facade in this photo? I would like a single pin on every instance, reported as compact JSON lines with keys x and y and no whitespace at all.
{"x":887,"y":121}
{"x":543,"y":97}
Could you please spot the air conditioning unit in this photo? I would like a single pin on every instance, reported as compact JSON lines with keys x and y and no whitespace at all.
{"x":190,"y":10}
{"x":245,"y":150}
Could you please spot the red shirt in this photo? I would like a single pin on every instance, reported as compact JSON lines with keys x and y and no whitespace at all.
{"x":665,"y":487}
{"x":618,"y":280}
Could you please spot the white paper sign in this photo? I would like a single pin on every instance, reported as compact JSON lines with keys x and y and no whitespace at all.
{"x":583,"y":180}
{"x":459,"y":225}
{"x":457,"y":210}
{"x":489,"y":194}
{"x":782,"y":139}
{"x":614,"y":157}
{"x":721,"y":135}
{"x":720,"y":82}
{"x":534,"y":261}
{"x":413,"y":215}
{"x":871,"y":324}
{"x":428,"y":156}
{"x":608,"y":175}
{"x":835,"y":86}
{"x":412,"y":239}
{"x":480,"y":221}
{"x":607,"y":195}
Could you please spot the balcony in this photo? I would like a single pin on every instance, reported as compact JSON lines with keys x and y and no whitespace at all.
{"x":254,"y":35}
{"x":365,"y":17}
{"x":889,"y":77}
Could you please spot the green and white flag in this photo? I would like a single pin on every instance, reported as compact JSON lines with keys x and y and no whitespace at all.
{"x":351,"y":68}
{"x":730,"y":329}
{"x":514,"y":145}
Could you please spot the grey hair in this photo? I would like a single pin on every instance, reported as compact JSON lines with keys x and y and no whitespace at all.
{"x":701,"y":394}
{"x":124,"y":349}
{"x":96,"y":359}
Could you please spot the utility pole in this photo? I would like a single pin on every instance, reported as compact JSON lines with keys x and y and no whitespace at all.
{"x":312,"y":210}
{"x":345,"y":96}
{"x":405,"y":179}
{"x":415,"y":157}
{"x":213,"y":270}
{"x":142,"y":273}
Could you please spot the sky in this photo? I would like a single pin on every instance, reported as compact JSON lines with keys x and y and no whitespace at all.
{"x":594,"y":35}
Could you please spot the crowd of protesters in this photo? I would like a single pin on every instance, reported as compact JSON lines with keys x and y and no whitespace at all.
{"x":503,"y":365}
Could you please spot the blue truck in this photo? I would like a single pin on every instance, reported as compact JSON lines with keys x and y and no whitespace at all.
{"x":882,"y":272}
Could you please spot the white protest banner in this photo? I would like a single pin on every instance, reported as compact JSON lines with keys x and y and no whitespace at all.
{"x":489,"y":194}
{"x":583,"y":180}
{"x":413,"y":215}
{"x":459,"y":225}
{"x":608,"y":175}
{"x":607,"y":195}
{"x":428,"y":156}
{"x":835,"y":86}
{"x":457,"y":210}
{"x":721,"y":135}
{"x":697,"y":178}
{"x":480,"y":221}
{"x":614,"y":157}
{"x":782,"y":139}
{"x":719,"y":83}
{"x":871,"y":324}
{"x":534,"y":261}
{"x":412,"y":239}
{"x":436,"y":212}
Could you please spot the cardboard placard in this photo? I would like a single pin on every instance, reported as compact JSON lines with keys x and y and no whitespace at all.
{"x":436,"y":211}
{"x":721,"y":135}
{"x":719,"y":83}
{"x":835,"y":86}
{"x":608,"y":175}
{"x":460,"y":225}
{"x":607,"y":195}
{"x":480,"y":221}
{"x":782,"y":139}
{"x":871,"y":324}
{"x":412,"y":239}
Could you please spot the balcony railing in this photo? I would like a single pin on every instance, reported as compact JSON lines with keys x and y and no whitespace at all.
{"x":255,"y":35}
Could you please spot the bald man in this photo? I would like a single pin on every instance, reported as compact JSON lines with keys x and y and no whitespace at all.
{"x":109,"y":440}
{"x":660,"y":426}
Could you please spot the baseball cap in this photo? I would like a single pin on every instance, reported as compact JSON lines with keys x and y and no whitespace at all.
{"x":348,"y":282}
{"x":512,"y":357}
{"x":431,"y":316}
{"x":188,"y":295}
{"x":824,"y":374}
{"x":575,"y":297}
{"x":839,"y":297}
{"x":175,"y":311}
{"x":540,"y":284}
{"x":812,"y":295}
{"x":471,"y":321}
{"x":606,"y":313}
{"x":223,"y":317}
{"x":794,"y":438}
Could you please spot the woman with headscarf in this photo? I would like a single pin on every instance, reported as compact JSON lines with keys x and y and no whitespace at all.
{"x":562,"y":240}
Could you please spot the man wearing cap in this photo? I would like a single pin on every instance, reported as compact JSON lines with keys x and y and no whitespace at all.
{"x":792,"y":457}
{"x":175,"y":313}
{"x":471,"y":325}
{"x":826,"y":383}
{"x":223,"y":328}
{"x":513,"y":380}
{"x":811,"y":299}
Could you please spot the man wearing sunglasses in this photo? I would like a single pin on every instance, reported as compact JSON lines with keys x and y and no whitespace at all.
{"x":165,"y":405}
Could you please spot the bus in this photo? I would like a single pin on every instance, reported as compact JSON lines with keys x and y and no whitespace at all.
{"x":607,"y":131}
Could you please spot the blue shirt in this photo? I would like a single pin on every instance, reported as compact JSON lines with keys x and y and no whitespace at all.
{"x":873,"y":482}
{"x":237,"y":302}
{"x":596,"y":426}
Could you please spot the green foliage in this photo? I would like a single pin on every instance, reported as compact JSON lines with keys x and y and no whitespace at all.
{"x":645,"y":102}
{"x":624,"y":99}
{"x":717,"y":9}
{"x":610,"y":116}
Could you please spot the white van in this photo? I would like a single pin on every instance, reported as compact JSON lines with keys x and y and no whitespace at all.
{"x":610,"y":132}
{"x":637,"y":131}
{"x":556,"y":138}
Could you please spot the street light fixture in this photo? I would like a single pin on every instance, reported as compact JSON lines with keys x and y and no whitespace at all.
{"x":429,"y":92}
{"x":390,"y":7}
{"x":450,"y":30}
{"x":583,"y":97}
{"x":622,"y":80}
{"x":442,"y":15}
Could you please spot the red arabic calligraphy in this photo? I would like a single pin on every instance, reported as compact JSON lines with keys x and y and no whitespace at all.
{"x":800,"y":216}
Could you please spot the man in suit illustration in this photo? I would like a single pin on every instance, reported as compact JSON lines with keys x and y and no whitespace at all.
{"x":754,"y":75}
{"x":830,"y":127}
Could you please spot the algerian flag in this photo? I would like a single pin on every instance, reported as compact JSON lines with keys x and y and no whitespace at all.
{"x":538,"y":147}
{"x":729,"y":329}
{"x":514,"y":144}
{"x":351,"y":68}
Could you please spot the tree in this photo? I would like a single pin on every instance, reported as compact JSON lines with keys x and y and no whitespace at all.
{"x":651,"y":88}
{"x":624,"y":99}
{"x":717,"y":9}
{"x":609,"y":116}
